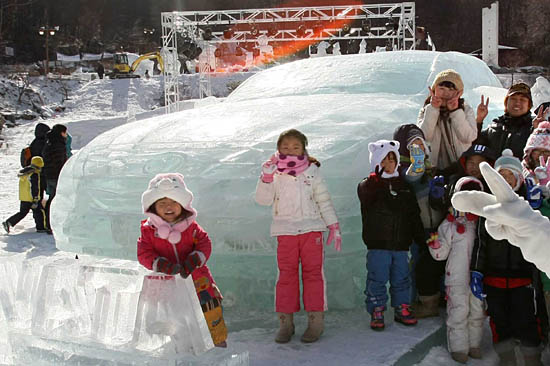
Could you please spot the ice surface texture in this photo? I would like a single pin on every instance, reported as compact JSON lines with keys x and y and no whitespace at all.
{"x":341,"y":104}
{"x":106,"y":305}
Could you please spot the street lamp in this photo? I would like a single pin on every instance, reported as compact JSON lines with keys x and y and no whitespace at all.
{"x":148,"y":31}
{"x":47,"y":31}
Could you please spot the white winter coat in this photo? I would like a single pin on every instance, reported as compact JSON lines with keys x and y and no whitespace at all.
{"x":465,"y":313}
{"x":463,"y":131}
{"x":457,"y":249}
{"x":301,"y":204}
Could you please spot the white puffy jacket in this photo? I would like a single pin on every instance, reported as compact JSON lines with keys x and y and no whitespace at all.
{"x":463,"y":131}
{"x":457,"y":249}
{"x":301,"y":204}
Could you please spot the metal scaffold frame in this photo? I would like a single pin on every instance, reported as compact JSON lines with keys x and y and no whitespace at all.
{"x":310,"y":24}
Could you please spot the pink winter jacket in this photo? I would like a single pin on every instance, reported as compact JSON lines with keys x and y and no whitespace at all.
{"x":150,"y":246}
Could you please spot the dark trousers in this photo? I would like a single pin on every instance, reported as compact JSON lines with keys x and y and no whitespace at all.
{"x":51,"y":188}
{"x":38,"y":214}
{"x":512,"y":312}
{"x":428,"y":273}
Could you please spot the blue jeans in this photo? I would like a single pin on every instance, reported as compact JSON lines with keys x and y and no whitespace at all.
{"x":384,"y":266}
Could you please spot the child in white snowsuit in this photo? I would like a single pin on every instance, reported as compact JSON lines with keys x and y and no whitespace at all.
{"x":302,"y":209}
{"x":454,"y":242}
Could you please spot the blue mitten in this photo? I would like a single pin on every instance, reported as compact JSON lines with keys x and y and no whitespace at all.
{"x":534,"y":194}
{"x":476,"y":285}
{"x":417,"y":158}
{"x":437,"y":187}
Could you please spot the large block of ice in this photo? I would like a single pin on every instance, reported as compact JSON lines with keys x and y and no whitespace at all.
{"x":340,"y":103}
{"x":100,"y":305}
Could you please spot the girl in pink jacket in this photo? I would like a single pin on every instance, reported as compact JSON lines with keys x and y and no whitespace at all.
{"x":302,"y":209}
{"x":172,"y":242}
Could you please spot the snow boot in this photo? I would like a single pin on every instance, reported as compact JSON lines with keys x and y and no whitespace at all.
{"x":531,"y":356}
{"x":315,"y":326}
{"x":6,"y":226}
{"x":427,"y":306}
{"x":403,"y":315}
{"x":286,"y":328}
{"x":506,"y":352}
{"x":377,"y":318}
{"x":460,"y":357}
{"x":475,"y":352}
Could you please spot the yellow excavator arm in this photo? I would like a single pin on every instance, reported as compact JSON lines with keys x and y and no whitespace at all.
{"x":148,"y":56}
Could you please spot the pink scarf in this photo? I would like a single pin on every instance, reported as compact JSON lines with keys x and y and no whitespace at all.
{"x":167,"y":231}
{"x":291,"y":164}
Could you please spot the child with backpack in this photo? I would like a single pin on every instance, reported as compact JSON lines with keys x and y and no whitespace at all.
{"x":172,"y":243}
{"x":30,"y":196}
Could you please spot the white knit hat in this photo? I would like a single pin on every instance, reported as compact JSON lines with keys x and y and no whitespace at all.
{"x":378,"y":151}
{"x":539,"y":139}
{"x":170,"y":185}
{"x":510,"y":162}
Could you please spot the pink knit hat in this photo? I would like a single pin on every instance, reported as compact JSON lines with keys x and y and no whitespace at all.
{"x":539,"y":139}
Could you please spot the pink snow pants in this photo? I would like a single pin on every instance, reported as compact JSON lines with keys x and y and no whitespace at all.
{"x":308,"y":249}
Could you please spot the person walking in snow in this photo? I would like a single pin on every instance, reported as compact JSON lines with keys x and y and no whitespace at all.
{"x":447,"y":121}
{"x":37,"y":146}
{"x":173,"y":243}
{"x":55,"y":156}
{"x":30,"y":195}
{"x":500,"y":274}
{"x":291,"y":182}
{"x":454,"y":242}
{"x":391,"y":221}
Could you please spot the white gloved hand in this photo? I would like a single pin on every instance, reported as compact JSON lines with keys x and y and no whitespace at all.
{"x":508,"y":217}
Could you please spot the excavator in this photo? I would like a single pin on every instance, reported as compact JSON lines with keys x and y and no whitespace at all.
{"x":123,"y":70}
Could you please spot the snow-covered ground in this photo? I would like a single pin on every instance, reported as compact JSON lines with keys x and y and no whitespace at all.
{"x":101,"y":105}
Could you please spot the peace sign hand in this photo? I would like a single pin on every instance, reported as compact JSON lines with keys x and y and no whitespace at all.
{"x":543,"y":170}
{"x":434,"y":100}
{"x":482,"y":110}
{"x":540,"y":116}
{"x":508,"y":217}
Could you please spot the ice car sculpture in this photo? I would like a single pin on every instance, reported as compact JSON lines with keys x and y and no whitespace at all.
{"x":341,"y":104}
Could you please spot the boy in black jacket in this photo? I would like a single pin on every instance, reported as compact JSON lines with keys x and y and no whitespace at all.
{"x":30,"y":196}
{"x":391,"y":220}
{"x":499,"y":269}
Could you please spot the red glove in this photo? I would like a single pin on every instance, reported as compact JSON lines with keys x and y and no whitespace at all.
{"x":164,"y":266}
{"x":433,"y":241}
{"x":193,"y":261}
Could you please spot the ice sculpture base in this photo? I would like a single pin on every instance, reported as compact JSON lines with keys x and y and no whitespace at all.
{"x":37,"y":351}
{"x":93,"y":309}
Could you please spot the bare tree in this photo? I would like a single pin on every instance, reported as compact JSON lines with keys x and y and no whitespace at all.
{"x":8,"y":10}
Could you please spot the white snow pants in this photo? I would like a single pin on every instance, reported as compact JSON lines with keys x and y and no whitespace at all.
{"x":465,"y":316}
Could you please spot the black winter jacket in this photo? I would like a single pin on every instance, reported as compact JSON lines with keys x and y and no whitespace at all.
{"x":507,"y":132}
{"x":37,"y":145}
{"x":498,"y":258}
{"x":390,"y":221}
{"x":54,"y":155}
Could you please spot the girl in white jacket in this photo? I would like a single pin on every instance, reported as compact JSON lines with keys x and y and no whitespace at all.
{"x":454,"y":241}
{"x":302,"y":209}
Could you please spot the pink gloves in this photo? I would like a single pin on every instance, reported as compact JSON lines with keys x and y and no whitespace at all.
{"x":543,"y":171}
{"x":268,"y":169}
{"x":433,"y":241}
{"x":335,"y":235}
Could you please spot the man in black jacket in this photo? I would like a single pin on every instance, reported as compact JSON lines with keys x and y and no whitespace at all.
{"x":37,"y":146}
{"x":512,"y":129}
{"x":54,"y":155}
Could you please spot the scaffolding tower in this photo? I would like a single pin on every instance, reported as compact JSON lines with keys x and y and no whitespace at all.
{"x":394,"y":23}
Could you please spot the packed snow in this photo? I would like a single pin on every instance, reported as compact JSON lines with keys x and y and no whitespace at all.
{"x":341,"y":103}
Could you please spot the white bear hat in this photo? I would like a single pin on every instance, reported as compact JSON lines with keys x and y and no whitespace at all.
{"x":169,"y":185}
{"x":378,"y":151}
